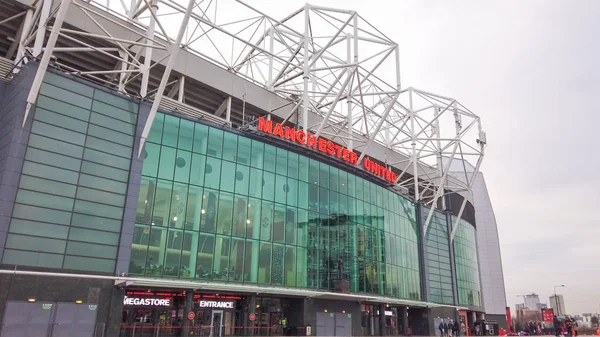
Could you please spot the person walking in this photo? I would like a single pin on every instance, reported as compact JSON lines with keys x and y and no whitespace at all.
{"x":441,"y":327}
{"x":556,"y":324}
{"x":456,"y":329}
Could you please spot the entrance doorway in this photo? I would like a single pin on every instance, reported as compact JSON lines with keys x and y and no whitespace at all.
{"x":216,"y":327}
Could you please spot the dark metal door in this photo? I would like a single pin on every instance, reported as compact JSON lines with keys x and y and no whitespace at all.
{"x":325,"y":324}
{"x":343,"y":324}
{"x":26,"y":319}
{"x":74,"y":320}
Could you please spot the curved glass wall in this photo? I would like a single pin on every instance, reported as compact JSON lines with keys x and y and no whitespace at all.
{"x":439,"y":271}
{"x":467,"y":268}
{"x":217,"y":206}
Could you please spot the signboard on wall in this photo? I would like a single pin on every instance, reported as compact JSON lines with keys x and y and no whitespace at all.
{"x":300,"y":137}
{"x":464,"y":323}
{"x":147,"y":301}
{"x":548,"y":315}
{"x":216,"y":304}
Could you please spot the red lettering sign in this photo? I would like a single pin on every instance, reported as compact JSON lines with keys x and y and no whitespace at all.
{"x":325,"y":146}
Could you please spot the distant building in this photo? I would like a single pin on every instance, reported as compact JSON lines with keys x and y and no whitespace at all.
{"x":586,"y":319}
{"x":559,"y":308}
{"x":532,"y":301}
{"x":541,"y":306}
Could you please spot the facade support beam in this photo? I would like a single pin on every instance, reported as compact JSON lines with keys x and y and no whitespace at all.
{"x":16,"y":42}
{"x":43,"y":66}
{"x":458,"y":217}
{"x":349,"y":100}
{"x":440,"y":191}
{"x":41,"y":30}
{"x":306,"y":76}
{"x":415,"y":164}
{"x":24,"y":33}
{"x":180,"y":94}
{"x":335,"y":102}
{"x":228,"y":112}
{"x":175,"y":47}
{"x":148,"y":50}
{"x":372,"y":135}
{"x":123,"y":73}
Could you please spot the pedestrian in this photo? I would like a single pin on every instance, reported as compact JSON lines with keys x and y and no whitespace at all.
{"x":456,"y":329}
{"x":445,"y":329}
{"x":556,"y":324}
{"x":441,"y":327}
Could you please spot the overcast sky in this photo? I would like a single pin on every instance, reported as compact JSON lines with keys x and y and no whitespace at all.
{"x":531,"y":70}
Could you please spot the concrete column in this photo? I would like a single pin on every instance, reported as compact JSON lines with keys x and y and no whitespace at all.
{"x":382,"y":329}
{"x":217,"y":256}
{"x":197,"y":208}
{"x":423,"y":255}
{"x":189,"y":305}
{"x":195,"y":236}
{"x":250,"y":308}
{"x":452,"y":260}
{"x":255,"y":245}
{"x":404,"y":317}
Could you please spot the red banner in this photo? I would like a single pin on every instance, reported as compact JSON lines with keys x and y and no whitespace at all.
{"x":548,"y":315}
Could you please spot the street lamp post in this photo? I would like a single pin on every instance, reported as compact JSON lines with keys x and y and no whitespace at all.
{"x":556,"y":298}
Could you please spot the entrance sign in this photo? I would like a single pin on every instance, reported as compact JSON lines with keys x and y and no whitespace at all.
{"x":252,"y":317}
{"x":324,"y":146}
{"x":191,"y":315}
{"x":215,"y":304}
{"x":155,"y":302}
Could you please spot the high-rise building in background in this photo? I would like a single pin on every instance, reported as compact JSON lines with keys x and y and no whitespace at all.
{"x":488,"y":243}
{"x":558,"y":304}
{"x":532,"y":301}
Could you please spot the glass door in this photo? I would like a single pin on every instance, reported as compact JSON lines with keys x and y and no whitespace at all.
{"x":216,"y":327}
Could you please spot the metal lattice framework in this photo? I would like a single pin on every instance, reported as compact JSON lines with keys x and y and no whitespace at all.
{"x":338,"y":73}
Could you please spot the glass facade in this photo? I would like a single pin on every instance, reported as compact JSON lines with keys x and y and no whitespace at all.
{"x":217,"y":206}
{"x":438,"y":259}
{"x":69,"y":204}
{"x":467,"y":267}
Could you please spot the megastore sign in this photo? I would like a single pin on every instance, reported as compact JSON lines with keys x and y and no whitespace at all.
{"x":324,"y":146}
{"x":147,"y":301}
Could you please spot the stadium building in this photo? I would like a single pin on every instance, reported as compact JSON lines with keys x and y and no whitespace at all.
{"x":182,"y":168}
